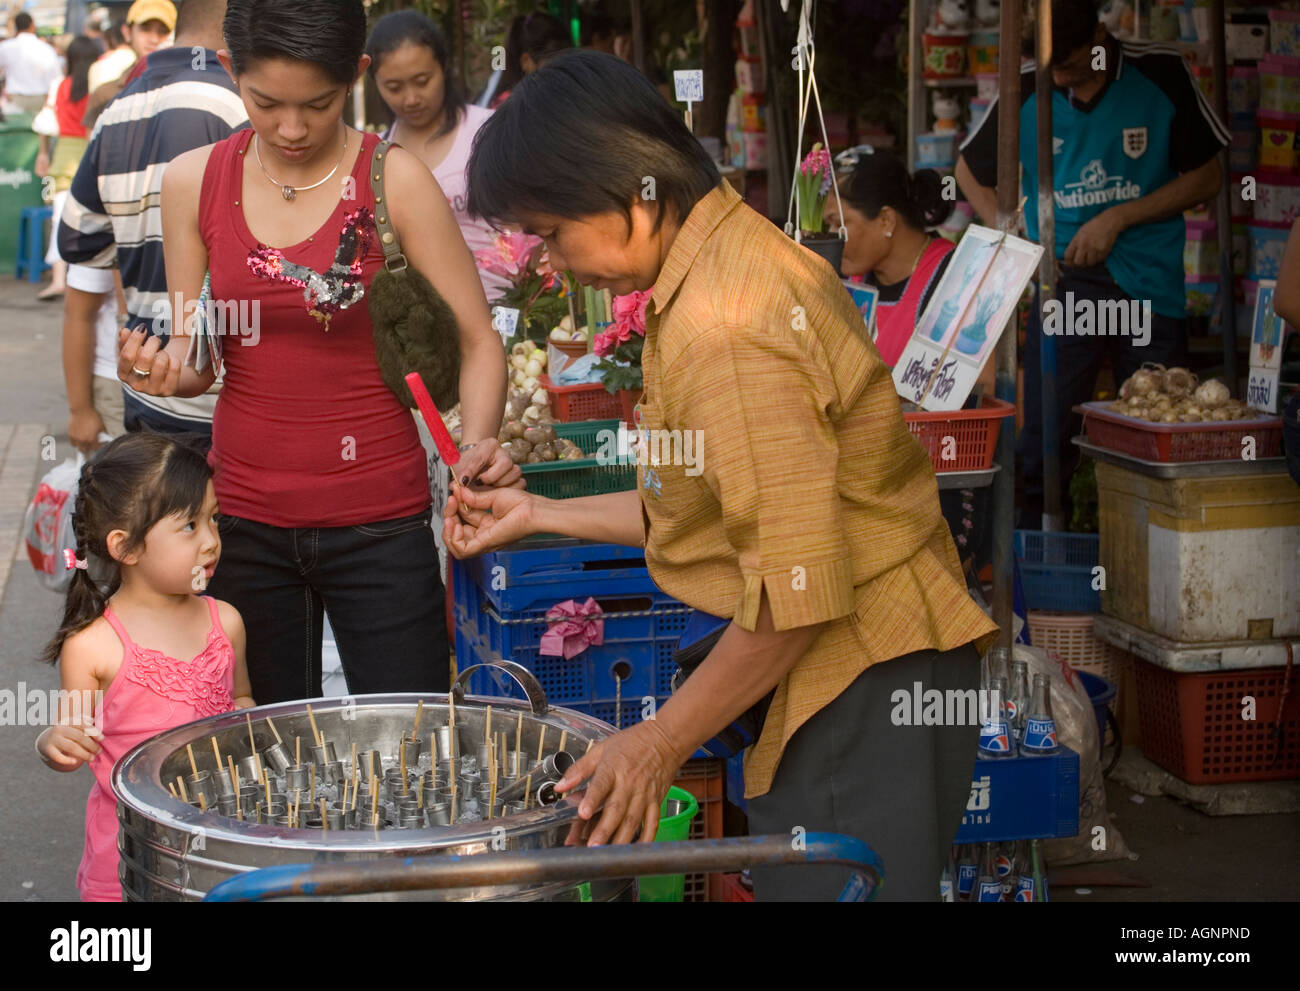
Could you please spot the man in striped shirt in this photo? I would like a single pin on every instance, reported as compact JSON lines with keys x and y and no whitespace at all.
{"x":184,"y":100}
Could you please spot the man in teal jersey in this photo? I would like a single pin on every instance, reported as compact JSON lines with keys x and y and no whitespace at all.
{"x":1134,"y":145}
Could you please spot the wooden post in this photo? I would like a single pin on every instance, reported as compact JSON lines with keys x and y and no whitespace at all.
{"x":1008,"y":190}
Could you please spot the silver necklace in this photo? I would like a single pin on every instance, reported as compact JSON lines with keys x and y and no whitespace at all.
{"x":290,"y":193}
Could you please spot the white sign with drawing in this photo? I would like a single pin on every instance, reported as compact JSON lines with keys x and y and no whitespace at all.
{"x":966,"y":315}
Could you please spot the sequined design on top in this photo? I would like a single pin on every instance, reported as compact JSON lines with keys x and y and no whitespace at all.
{"x":340,"y":286}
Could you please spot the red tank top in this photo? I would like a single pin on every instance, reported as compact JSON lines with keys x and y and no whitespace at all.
{"x":305,"y":432}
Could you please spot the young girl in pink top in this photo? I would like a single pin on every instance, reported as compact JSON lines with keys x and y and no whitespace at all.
{"x":135,"y":637}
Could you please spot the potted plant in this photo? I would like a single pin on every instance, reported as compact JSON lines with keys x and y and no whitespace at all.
{"x":812,"y":185}
{"x":619,"y":349}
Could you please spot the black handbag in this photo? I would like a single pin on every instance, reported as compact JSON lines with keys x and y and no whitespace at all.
{"x":415,"y":329}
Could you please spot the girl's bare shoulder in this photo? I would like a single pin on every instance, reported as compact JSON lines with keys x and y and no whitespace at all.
{"x":96,"y":650}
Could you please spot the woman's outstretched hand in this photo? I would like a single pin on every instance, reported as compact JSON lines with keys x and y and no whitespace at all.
{"x":476,"y":521}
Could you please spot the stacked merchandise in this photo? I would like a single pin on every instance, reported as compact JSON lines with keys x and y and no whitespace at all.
{"x":1199,"y":522}
{"x":959,"y":51}
{"x":1263,"y":80}
{"x":1024,"y":788}
{"x":747,"y":109}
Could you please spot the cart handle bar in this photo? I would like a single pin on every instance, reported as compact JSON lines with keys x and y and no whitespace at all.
{"x":560,"y":864}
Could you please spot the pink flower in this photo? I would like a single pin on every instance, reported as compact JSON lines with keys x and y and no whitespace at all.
{"x":629,"y":311}
{"x":618,"y":333}
{"x":511,"y":255}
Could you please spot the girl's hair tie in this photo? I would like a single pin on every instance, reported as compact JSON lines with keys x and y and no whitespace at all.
{"x":71,"y":560}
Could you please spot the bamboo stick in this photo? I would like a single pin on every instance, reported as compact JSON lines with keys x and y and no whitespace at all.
{"x":185,"y":795}
{"x":194,"y":768}
{"x":311,"y":716}
{"x":419,"y":711}
{"x":275,"y":731}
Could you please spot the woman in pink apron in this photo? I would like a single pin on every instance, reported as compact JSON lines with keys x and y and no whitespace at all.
{"x":888,"y":214}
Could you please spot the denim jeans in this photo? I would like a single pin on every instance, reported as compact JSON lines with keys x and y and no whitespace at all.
{"x":1078,"y":361}
{"x":379,"y":582}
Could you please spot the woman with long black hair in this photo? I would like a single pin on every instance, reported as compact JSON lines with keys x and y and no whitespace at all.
{"x":318,"y":467}
{"x":411,"y":66}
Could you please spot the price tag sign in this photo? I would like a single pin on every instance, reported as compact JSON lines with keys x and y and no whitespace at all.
{"x":689,"y":84}
{"x":1266,"y":339}
{"x":505,"y":319}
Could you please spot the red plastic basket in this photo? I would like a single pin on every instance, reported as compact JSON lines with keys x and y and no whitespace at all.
{"x":1192,"y":725}
{"x":960,"y":440}
{"x":1215,"y":441}
{"x":704,"y":778}
{"x":729,"y":889}
{"x":589,"y":401}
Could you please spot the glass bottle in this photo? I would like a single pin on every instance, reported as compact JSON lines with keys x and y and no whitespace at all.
{"x":988,"y":888}
{"x":1040,"y":727}
{"x":995,"y":728}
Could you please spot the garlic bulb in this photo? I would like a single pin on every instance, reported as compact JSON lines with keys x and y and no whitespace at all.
{"x":1211,"y":394}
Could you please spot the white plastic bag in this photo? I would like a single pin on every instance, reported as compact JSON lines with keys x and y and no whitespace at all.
{"x":48,"y":524}
{"x":1076,"y":727}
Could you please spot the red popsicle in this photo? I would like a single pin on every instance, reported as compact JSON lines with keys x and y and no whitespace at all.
{"x":446,"y":446}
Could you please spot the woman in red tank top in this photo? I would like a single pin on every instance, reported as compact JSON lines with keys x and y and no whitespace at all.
{"x":318,"y":468}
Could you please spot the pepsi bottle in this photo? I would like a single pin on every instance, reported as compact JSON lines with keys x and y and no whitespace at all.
{"x":1024,"y":873}
{"x":1040,"y":728}
{"x":987,"y":886}
{"x":948,"y":880}
{"x":1032,"y":883}
{"x":995,"y":728}
{"x":1018,"y":697}
{"x":967,"y":870}
{"x":1005,"y":864}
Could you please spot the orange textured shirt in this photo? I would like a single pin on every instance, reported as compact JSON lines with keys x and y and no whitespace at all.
{"x":801,"y":477}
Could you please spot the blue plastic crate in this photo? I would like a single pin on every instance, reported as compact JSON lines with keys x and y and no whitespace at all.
{"x":640,"y":636}
{"x":549,"y":570}
{"x":1022,"y":798}
{"x":1056,"y":570}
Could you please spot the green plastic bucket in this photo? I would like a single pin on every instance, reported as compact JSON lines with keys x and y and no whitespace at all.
{"x":675,"y":815}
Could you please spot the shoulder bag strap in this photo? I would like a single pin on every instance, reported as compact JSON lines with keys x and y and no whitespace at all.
{"x":394,"y":260}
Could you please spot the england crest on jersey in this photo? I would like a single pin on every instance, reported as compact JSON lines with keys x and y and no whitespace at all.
{"x":1135,"y":141}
